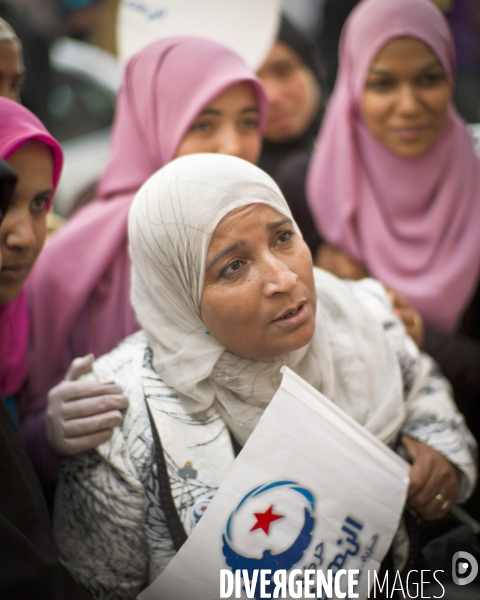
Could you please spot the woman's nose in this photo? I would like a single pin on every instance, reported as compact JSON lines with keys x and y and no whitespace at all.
{"x":229,"y":141}
{"x":274,"y":92}
{"x":408,"y":102}
{"x":18,"y":231}
{"x":278,"y":276}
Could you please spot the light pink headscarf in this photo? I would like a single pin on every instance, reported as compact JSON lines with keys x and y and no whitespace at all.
{"x":17,"y":126}
{"x":412,"y":222}
{"x":80,"y":288}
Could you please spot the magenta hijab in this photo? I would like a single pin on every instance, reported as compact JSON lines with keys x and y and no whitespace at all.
{"x":80,"y":288}
{"x":17,"y":126}
{"x":412,"y":222}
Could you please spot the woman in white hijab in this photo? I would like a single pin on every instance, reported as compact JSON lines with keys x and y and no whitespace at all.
{"x":224,"y":289}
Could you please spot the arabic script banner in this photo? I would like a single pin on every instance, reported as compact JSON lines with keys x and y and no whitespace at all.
{"x":141,"y":22}
{"x":311,"y":489}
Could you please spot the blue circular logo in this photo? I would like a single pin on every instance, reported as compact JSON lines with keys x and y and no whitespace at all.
{"x":271,"y":528}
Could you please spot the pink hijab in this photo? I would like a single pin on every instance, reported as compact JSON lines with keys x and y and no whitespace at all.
{"x":80,"y":288}
{"x":412,"y":222}
{"x":17,"y":126}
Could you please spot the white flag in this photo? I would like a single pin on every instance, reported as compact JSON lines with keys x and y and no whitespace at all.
{"x":311,"y":490}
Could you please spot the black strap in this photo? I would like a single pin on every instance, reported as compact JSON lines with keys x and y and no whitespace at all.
{"x":174,"y":524}
{"x":236,"y":446}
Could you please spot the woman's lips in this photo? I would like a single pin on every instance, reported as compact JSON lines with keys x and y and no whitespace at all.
{"x":14,"y":273}
{"x":410,"y":133}
{"x":294,"y":317}
{"x":279,"y":119}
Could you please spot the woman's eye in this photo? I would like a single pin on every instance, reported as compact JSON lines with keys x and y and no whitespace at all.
{"x":201,"y":126}
{"x":285,"y":236}
{"x":284,"y":70}
{"x":431,"y":79}
{"x":39,"y":204}
{"x":232,"y":268}
{"x":380,"y":85}
{"x":250,"y":123}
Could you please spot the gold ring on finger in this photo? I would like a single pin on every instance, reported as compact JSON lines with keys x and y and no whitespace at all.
{"x":445,"y":503}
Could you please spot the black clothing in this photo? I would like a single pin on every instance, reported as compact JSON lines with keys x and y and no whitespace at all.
{"x":335,"y":13}
{"x":291,"y":180}
{"x":458,"y":355}
{"x":303,"y":45}
{"x":29,"y":564}
{"x":8,"y":179}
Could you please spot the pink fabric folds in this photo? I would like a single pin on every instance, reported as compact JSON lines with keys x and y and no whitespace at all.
{"x":80,"y":288}
{"x":17,"y":126}
{"x":412,"y":222}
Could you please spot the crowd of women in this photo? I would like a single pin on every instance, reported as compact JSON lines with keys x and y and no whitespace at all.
{"x":189,"y":280}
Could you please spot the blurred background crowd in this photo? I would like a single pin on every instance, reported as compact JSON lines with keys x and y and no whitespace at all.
{"x":70,"y":55}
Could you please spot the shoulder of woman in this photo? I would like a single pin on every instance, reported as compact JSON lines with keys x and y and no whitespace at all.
{"x":369,"y":293}
{"x":130,"y":449}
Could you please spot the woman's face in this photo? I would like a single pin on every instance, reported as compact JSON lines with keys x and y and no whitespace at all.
{"x":406,"y":97}
{"x":258,"y":298}
{"x":22,"y":232}
{"x":292,"y":91}
{"x":12,"y":70}
{"x":228,"y":125}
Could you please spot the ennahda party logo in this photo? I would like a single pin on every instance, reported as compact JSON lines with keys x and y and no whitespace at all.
{"x":271,"y":528}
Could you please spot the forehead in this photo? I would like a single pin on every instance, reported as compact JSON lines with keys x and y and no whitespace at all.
{"x":238,"y":94}
{"x":279,"y":53}
{"x":244,"y":222}
{"x":33,"y":161}
{"x":403,"y":52}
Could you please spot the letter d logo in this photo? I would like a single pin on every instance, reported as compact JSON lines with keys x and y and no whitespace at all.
{"x":461,"y":563}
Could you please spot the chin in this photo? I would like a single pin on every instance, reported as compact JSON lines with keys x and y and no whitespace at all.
{"x":9,"y":295}
{"x":299,"y":340}
{"x":411,"y":150}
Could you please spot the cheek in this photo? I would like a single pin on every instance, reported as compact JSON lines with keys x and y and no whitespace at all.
{"x":295,"y":92}
{"x":229,"y":315}
{"x":226,"y":306}
{"x":440,"y":103}
{"x":40,"y":229}
{"x":189,"y":145}
{"x":375,"y":110}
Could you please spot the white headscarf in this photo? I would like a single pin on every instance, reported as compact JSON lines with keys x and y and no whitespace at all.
{"x":6,"y":32}
{"x":171,"y":222}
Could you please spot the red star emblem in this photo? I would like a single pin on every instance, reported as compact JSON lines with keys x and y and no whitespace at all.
{"x":264,"y":520}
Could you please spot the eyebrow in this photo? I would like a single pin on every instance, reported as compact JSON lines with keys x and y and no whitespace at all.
{"x":210,"y":111}
{"x":276,"y":224}
{"x":239,"y":244}
{"x":218,"y":113}
{"x":38,"y":194}
{"x":222,"y":253}
{"x":249,"y":109}
{"x":433,"y":63}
